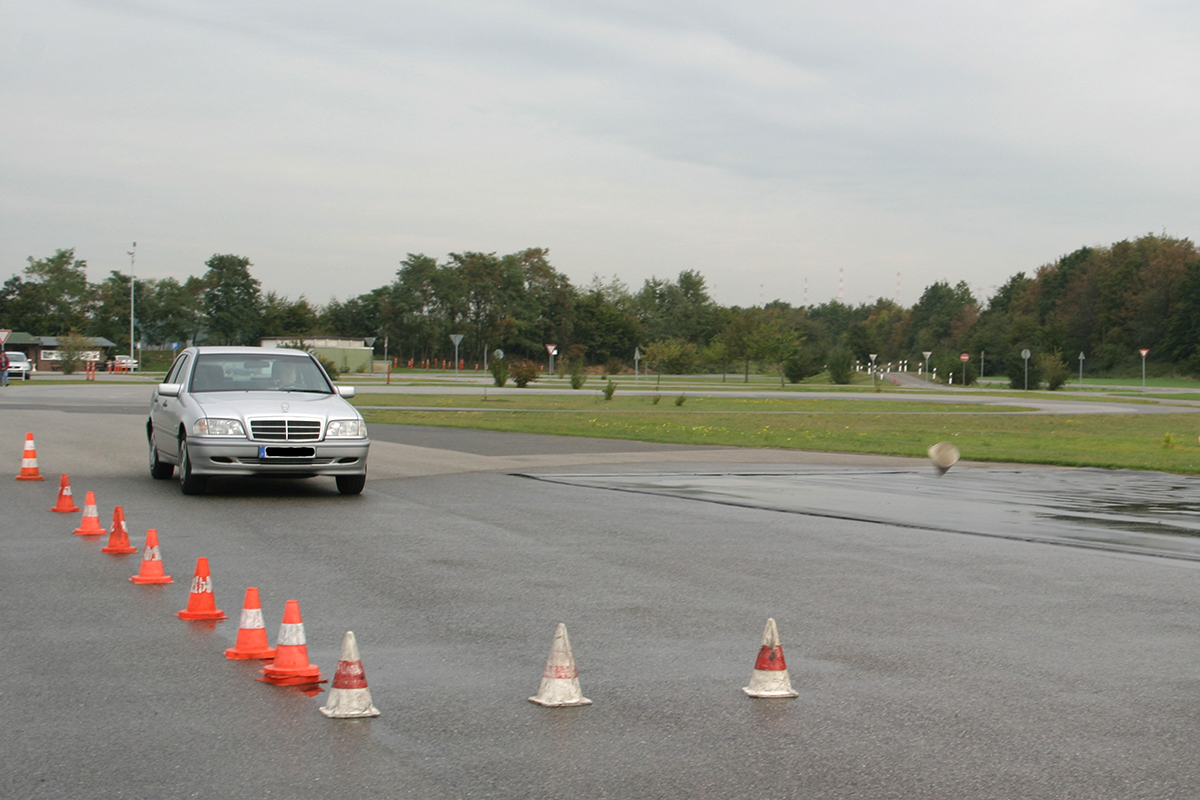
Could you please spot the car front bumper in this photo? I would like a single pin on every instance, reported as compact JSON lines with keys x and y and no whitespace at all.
{"x":220,"y":456}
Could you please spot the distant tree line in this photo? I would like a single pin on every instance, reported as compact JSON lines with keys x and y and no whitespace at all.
{"x":1104,"y":302}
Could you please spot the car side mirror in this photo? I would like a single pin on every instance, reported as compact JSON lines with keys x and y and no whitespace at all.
{"x":345,"y":391}
{"x":169,"y":389}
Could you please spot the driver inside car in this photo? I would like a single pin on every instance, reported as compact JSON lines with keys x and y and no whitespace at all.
{"x":284,"y":375}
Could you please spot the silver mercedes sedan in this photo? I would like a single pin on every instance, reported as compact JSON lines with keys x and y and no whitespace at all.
{"x":254,"y":411}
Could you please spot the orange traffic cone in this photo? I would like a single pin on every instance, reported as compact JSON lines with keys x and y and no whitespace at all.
{"x":560,"y":679}
{"x":151,"y":570}
{"x":29,"y":467}
{"x":770,"y":676}
{"x":291,"y":667}
{"x":349,"y":696}
{"x":118,"y":537}
{"x":202,"y":603}
{"x":90,"y":524}
{"x":251,"y":636}
{"x":66,"y":502}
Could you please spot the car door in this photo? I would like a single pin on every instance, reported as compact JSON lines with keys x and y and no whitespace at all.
{"x":165,"y":412}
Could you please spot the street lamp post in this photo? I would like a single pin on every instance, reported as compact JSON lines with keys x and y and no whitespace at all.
{"x":132,"y":283}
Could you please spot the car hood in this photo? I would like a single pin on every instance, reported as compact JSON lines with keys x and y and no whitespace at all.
{"x":240,"y":405}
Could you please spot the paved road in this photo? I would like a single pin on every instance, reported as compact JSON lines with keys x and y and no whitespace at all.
{"x":930,"y":664}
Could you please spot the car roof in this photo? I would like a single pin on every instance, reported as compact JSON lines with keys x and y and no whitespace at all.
{"x":259,"y":352}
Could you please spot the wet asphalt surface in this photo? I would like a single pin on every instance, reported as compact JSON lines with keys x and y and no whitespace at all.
{"x":938,"y":652}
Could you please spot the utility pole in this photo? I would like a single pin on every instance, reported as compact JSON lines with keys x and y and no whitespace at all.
{"x":132,"y":283}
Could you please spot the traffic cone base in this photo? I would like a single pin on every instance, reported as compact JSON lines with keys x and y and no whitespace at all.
{"x":770,"y":676}
{"x":29,"y":465}
{"x":90,"y":524}
{"x":291,"y":667}
{"x":118,"y":537}
{"x":151,"y":571}
{"x":252,"y":635}
{"x":202,"y":604}
{"x":66,"y":503}
{"x":349,"y":697}
{"x":560,"y":679}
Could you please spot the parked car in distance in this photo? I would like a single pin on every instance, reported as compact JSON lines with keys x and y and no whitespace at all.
{"x":254,"y":412}
{"x":123,"y":364}
{"x":19,"y":365}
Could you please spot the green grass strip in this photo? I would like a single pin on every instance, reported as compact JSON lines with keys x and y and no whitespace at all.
{"x":1164,"y":442}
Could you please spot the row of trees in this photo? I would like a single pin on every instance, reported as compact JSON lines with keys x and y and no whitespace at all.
{"x":1106,"y":302}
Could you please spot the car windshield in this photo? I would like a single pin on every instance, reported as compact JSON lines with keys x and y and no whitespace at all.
{"x":216,"y":372}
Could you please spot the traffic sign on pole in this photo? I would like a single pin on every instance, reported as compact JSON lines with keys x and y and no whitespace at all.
{"x":4,"y":334}
{"x":456,"y":338}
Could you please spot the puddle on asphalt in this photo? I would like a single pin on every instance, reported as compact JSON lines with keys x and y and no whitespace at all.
{"x":1136,"y":512}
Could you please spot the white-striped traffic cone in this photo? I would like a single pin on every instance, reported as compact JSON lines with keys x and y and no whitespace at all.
{"x":29,"y":465}
{"x":349,"y":696}
{"x":560,"y":679}
{"x":89,"y":523}
{"x":770,"y":676}
{"x":252,"y":634}
{"x":291,"y":667}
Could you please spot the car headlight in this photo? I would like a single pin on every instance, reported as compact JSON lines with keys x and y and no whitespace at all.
{"x":218,"y":427}
{"x":347,"y":427}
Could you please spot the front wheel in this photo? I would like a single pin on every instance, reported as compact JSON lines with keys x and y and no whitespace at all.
{"x":159,"y":469}
{"x":351,"y":484}
{"x":188,"y":482}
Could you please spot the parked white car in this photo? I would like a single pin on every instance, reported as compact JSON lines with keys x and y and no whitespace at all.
{"x":123,"y":364}
{"x":19,"y":365}
{"x":252,"y":411}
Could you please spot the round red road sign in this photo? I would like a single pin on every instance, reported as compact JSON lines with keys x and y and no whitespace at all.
{"x":964,"y":357}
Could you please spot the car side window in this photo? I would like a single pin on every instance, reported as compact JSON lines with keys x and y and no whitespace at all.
{"x":178,"y":370}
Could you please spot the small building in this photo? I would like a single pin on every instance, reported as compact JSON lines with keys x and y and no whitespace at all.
{"x":349,"y":354}
{"x":22,"y":342}
{"x":47,"y":357}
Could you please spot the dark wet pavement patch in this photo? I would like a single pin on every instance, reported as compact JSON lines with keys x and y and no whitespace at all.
{"x":1147,"y":513}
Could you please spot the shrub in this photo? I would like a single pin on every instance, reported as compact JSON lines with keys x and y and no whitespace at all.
{"x":654,"y":400}
{"x":499,"y":370}
{"x":799,"y":366}
{"x":578,"y":379}
{"x":679,"y":400}
{"x":1051,"y":369}
{"x":609,"y":388}
{"x":524,"y":372}
{"x":841,"y":365}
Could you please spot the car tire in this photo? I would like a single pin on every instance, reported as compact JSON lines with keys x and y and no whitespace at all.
{"x":351,"y":484}
{"x":159,"y":469}
{"x":189,"y":483}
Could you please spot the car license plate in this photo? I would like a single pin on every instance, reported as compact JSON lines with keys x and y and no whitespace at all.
{"x":266,"y":451}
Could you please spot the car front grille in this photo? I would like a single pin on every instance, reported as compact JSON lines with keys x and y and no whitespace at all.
{"x":285,"y":430}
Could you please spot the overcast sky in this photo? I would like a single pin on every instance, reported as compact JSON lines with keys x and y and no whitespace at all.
{"x":772,"y":146}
